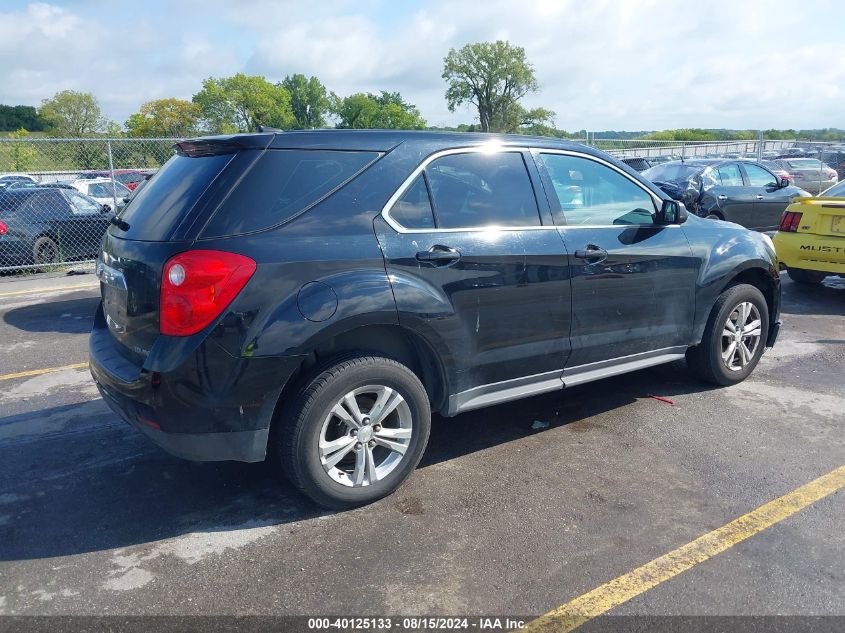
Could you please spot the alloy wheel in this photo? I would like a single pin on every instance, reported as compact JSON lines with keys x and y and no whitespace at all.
{"x":741,"y":336}
{"x":365,"y":435}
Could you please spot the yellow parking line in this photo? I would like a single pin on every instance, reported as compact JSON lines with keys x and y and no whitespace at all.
{"x":38,"y":372}
{"x":621,"y":589}
{"x":33,"y":291}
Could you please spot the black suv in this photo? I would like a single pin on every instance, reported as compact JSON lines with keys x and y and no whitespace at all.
{"x":314,"y":296}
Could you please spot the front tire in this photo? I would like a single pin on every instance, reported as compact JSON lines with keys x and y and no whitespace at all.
{"x":355,"y":432}
{"x":734,"y":337}
{"x":805,"y":276}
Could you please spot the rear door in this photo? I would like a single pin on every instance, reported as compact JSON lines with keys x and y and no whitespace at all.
{"x":475,"y":269}
{"x":633,"y":279}
{"x":770,"y":199}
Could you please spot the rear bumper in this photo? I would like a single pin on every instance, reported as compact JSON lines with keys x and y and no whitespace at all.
{"x":808,"y":251}
{"x":211,"y":407}
{"x":241,"y":446}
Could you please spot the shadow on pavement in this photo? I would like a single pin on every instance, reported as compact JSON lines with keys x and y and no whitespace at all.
{"x":823,"y":299}
{"x":67,"y":491}
{"x":65,"y":316}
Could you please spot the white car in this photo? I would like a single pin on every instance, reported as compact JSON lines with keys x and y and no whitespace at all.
{"x":103,"y":190}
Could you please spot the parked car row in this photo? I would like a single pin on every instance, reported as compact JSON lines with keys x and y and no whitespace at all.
{"x":739,"y":191}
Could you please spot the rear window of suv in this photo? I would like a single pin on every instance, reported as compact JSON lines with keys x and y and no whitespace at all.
{"x":164,"y":201}
{"x":281,"y":184}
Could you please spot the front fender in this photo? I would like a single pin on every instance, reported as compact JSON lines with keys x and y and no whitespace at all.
{"x":728,"y":251}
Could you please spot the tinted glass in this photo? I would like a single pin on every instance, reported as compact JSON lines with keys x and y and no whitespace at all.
{"x":759,"y":177}
{"x":672,"y":172}
{"x":729,"y":175}
{"x":99,"y":190}
{"x":477,"y":189}
{"x":80,"y":205}
{"x":413,"y":209}
{"x":591,"y":193}
{"x":169,"y":195}
{"x":281,"y":184}
{"x":804,"y":163}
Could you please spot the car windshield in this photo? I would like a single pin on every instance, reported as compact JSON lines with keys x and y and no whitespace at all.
{"x":836,"y":191}
{"x":672,"y":172}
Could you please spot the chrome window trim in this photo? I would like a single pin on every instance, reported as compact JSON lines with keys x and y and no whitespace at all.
{"x":489,"y":148}
{"x":496,"y":149}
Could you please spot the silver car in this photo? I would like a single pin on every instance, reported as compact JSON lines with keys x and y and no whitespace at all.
{"x":810,"y":174}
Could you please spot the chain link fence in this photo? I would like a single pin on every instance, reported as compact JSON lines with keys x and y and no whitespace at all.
{"x":57,"y":196}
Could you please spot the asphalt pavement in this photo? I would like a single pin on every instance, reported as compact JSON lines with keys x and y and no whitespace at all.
{"x":502,"y":517}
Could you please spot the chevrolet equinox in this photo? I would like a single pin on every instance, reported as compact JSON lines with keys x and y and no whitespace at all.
{"x":313,"y":296}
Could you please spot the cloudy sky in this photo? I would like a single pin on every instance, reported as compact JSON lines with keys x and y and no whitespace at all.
{"x":601,"y":64}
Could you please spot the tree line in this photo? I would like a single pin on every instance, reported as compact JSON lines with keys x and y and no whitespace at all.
{"x":491,"y":77}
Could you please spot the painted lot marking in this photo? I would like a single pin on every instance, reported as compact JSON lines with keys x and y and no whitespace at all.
{"x":38,"y":372}
{"x":602,"y":599}
{"x":33,"y":291}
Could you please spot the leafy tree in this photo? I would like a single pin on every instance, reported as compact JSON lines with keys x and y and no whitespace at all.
{"x":20,"y":117}
{"x":383,"y":111}
{"x":22,"y":155}
{"x":73,"y":114}
{"x":243,"y":102}
{"x":493,"y":76}
{"x":309,"y":101}
{"x":165,"y":118}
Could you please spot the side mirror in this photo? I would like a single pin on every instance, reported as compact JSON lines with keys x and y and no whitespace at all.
{"x":105,"y":209}
{"x":673,"y":212}
{"x":783,"y":183}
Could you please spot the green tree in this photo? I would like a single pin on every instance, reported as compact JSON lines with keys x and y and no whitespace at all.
{"x":165,"y":118}
{"x":309,"y":101}
{"x":493,"y":76}
{"x":73,"y":114}
{"x":20,"y":117}
{"x":243,"y":102}
{"x":22,"y":155}
{"x":387,"y":111}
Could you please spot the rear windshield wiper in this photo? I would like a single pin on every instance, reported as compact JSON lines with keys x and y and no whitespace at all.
{"x":123,"y":225}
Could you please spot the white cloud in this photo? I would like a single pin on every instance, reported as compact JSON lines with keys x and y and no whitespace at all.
{"x":603,"y":64}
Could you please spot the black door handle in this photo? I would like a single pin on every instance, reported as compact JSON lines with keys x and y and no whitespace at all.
{"x":593,"y":254}
{"x":439,"y":255}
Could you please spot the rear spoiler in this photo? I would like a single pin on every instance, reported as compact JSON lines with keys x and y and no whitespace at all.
{"x":216,"y":145}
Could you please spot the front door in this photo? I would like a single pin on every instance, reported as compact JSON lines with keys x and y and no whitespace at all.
{"x":633,"y":279}
{"x":735,"y":200}
{"x":770,"y":198}
{"x":456,"y":243}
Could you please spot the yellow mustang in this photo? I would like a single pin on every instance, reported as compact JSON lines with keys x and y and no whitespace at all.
{"x":810,"y":241}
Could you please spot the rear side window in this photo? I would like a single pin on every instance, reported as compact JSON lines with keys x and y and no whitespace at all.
{"x":413,"y":209}
{"x":281,"y":184}
{"x":169,"y":195}
{"x":478,"y":189}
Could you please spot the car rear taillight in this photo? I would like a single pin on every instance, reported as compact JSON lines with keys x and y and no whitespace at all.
{"x":790,"y":221}
{"x":3,"y":228}
{"x":196,"y":286}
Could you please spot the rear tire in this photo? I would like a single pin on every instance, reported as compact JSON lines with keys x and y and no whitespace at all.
{"x":734,"y":337}
{"x":45,"y":251}
{"x":354,"y":432}
{"x":805,"y":276}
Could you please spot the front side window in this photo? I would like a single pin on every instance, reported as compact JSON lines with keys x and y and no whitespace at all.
{"x":591,"y":193}
{"x":80,"y":205}
{"x":759,"y":177}
{"x":478,"y":189}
